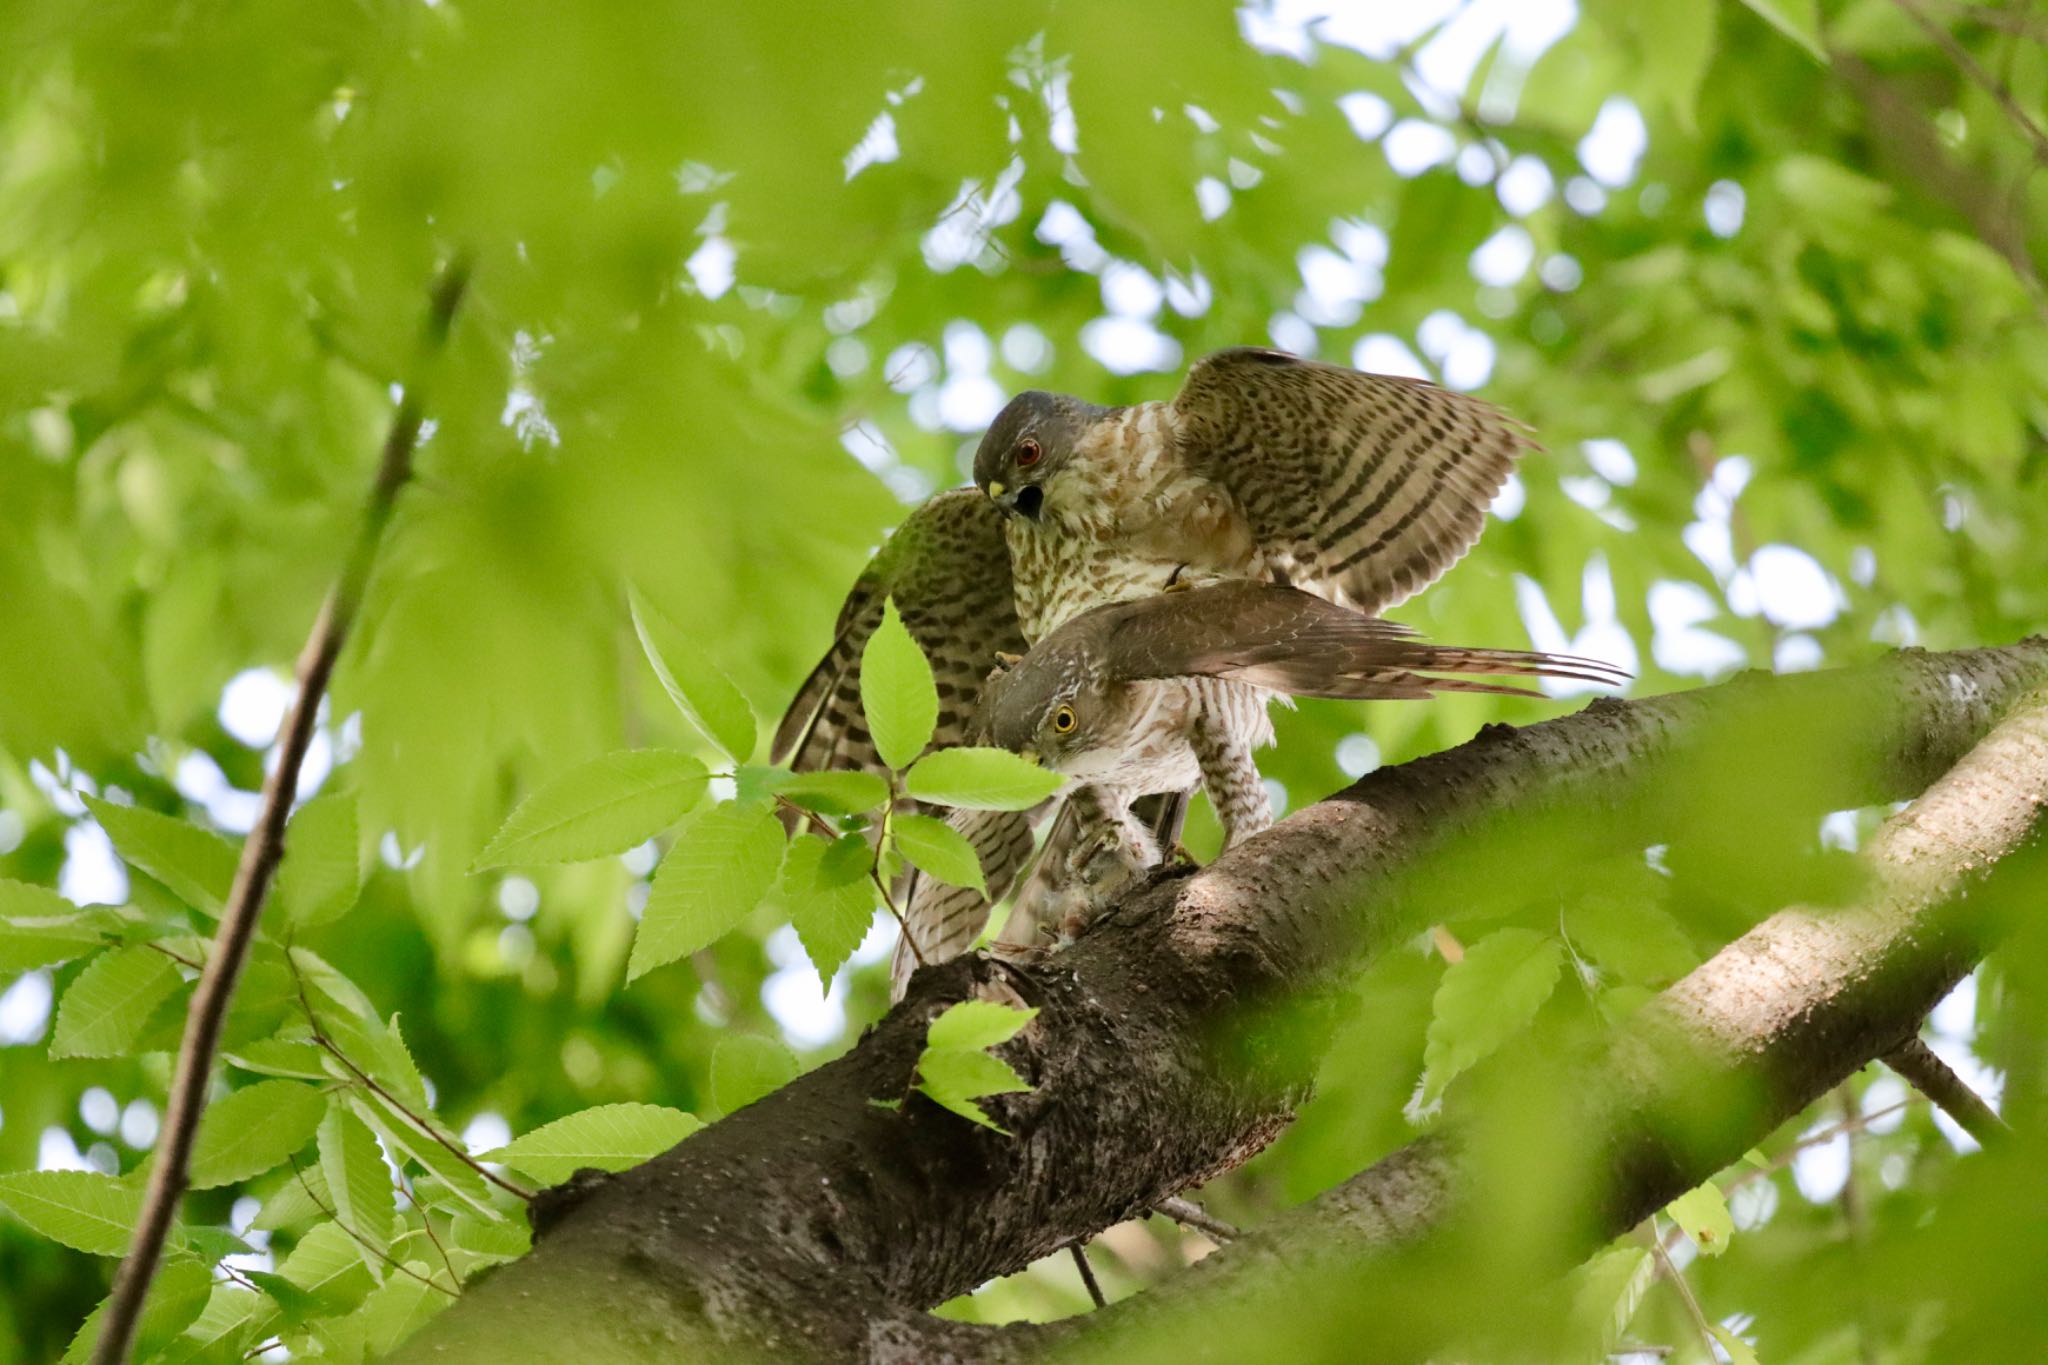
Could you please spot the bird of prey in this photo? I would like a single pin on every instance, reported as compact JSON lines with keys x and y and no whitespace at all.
{"x":1356,"y":487}
{"x":1107,"y":700}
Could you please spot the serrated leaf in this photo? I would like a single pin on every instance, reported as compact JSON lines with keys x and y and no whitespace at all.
{"x":705,"y":696}
{"x":302,"y":1197}
{"x":85,"y":1210}
{"x":1641,"y":943}
{"x":610,"y":1137}
{"x":849,"y":858}
{"x":897,"y":694}
{"x":1703,"y":1214}
{"x":1798,"y":20}
{"x":830,"y":917}
{"x":105,"y":1008}
{"x":279,"y":1057}
{"x":840,"y":792}
{"x":195,"y":865}
{"x":296,"y":1304}
{"x":1607,"y":1290}
{"x":38,"y":928}
{"x":977,"y":1024}
{"x":746,"y":1067}
{"x":430,"y":1155}
{"x":322,"y":872}
{"x":956,"y":1077}
{"x":1484,"y":999}
{"x":721,"y":865}
{"x":176,"y":1297}
{"x":1739,"y":1351}
{"x":597,"y":809}
{"x":209,"y":1243}
{"x":938,"y":849}
{"x":399,"y":1308}
{"x":253,"y":1130}
{"x":492,"y":1239}
{"x":328,"y":1263}
{"x":358,"y":1180}
{"x":980,"y":779}
{"x":232,"y":1318}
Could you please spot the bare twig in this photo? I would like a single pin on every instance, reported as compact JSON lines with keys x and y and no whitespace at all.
{"x":1190,"y":1214}
{"x":263,"y":851}
{"x":1920,"y":1068}
{"x":1670,"y":1271}
{"x":427,"y":1225}
{"x":177,"y":957}
{"x":1990,"y":84}
{"x":1087,"y":1274}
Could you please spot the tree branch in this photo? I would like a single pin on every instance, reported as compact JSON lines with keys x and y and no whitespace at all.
{"x":262,"y":852}
{"x":1173,"y":1040}
{"x":1920,"y":1068}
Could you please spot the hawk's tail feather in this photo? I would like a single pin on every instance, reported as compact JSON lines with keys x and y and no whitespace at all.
{"x":945,"y":920}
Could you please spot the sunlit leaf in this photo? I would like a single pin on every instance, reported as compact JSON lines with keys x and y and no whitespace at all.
{"x":1485,"y":999}
{"x":177,"y":1294}
{"x":364,"y":1203}
{"x":1739,"y":1351}
{"x":745,"y":1067}
{"x":399,"y":1307}
{"x":842,"y":792}
{"x":602,"y":807}
{"x":704,"y":694}
{"x":897,"y":693}
{"x":720,"y":866}
{"x":39,"y":927}
{"x":84,"y":1210}
{"x":939,"y":849}
{"x":977,"y":1024}
{"x":980,"y":779}
{"x":1703,"y":1214}
{"x":955,"y":1078}
{"x":251,"y":1130}
{"x":610,"y":1137}
{"x":322,"y":868}
{"x":106,"y":1007}
{"x":195,"y":865}
{"x":831,"y":913}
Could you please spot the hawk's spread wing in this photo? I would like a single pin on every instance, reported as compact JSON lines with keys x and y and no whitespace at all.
{"x":948,"y":569}
{"x":1366,"y":486}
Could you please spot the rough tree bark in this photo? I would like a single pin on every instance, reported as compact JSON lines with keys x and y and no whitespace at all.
{"x":1175,"y":1039}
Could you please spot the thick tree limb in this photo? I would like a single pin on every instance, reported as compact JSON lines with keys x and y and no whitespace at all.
{"x":261,"y":854}
{"x":1172,"y":1041}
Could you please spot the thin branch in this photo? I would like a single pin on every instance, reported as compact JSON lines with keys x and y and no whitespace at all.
{"x":1990,"y":84}
{"x":1670,"y":1271}
{"x":177,"y":957}
{"x":1190,"y":1214}
{"x":263,"y":851}
{"x":427,"y":1225}
{"x":1920,"y":1068}
{"x":874,"y":873}
{"x":416,"y":1121}
{"x":1087,"y":1274}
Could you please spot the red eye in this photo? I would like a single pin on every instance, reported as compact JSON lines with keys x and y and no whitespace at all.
{"x":1028,"y":453}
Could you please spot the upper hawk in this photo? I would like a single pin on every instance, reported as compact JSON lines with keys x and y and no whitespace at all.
{"x":1360,"y":488}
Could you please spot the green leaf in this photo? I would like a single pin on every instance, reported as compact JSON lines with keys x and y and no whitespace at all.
{"x":358,"y":1180}
{"x":1675,"y":46}
{"x":1703,"y":1214}
{"x":302,"y":1197}
{"x":599,"y":808}
{"x":1485,"y":999}
{"x":831,"y":916}
{"x":897,"y":693}
{"x":980,"y":779}
{"x":746,"y":1067}
{"x":296,"y":1303}
{"x":706,"y":697}
{"x":1607,"y":1290}
{"x":252,"y":1130}
{"x":939,"y":849}
{"x":280,"y":1057}
{"x":1798,"y":20}
{"x":106,"y":1007}
{"x":956,"y":1077}
{"x":322,"y":872}
{"x":842,"y":792}
{"x":328,"y":1263}
{"x":610,"y":1137}
{"x":85,"y":1210}
{"x":195,"y":865}
{"x":1638,"y":941}
{"x":1739,"y":1351}
{"x":176,"y":1295}
{"x":38,"y":927}
{"x":491,"y":1239}
{"x":721,"y":865}
{"x":976,"y":1024}
{"x":430,"y":1154}
{"x":232,"y":1319}
{"x":399,"y":1308}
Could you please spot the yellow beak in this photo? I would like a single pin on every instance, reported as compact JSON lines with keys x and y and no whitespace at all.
{"x":996,"y":488}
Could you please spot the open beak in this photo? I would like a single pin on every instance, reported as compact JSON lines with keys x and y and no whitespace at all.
{"x":1024,"y":501}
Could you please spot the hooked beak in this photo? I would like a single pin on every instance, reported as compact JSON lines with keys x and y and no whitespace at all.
{"x":1025,"y":501}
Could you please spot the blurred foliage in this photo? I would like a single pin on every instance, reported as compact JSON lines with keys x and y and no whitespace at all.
{"x":1764,"y":276}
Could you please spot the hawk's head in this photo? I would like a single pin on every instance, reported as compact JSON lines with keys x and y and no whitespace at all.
{"x":1073,"y":722}
{"x":1031,"y":442}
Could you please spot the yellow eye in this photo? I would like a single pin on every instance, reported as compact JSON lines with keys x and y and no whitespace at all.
{"x":1064,"y":720}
